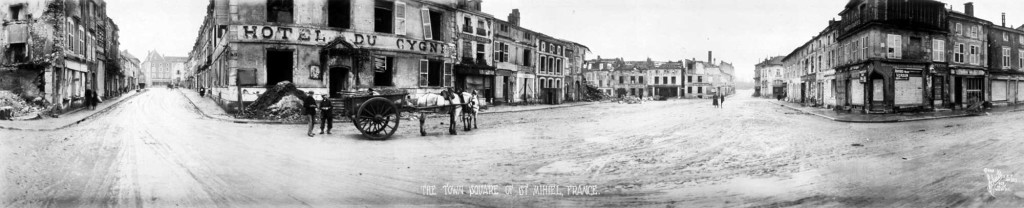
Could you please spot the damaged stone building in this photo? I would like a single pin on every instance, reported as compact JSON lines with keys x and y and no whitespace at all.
{"x":53,"y":50}
{"x":339,"y":47}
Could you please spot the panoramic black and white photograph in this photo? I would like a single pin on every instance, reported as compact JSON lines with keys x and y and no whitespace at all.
{"x":511,"y":103}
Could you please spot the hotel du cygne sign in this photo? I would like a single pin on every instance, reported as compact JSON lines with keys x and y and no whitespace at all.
{"x":314,"y":36}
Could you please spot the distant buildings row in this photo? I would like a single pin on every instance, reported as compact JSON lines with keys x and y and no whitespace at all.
{"x":651,"y":79}
{"x":336,"y":47}
{"x":888,"y":56}
{"x":55,"y":50}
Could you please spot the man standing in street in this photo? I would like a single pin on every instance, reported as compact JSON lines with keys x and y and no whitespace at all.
{"x":722,"y":103}
{"x":326,"y":114}
{"x":309,"y":104}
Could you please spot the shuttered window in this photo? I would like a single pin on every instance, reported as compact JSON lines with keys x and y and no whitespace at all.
{"x":938,"y":50}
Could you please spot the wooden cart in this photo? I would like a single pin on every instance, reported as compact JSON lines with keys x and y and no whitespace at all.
{"x":378,"y":116}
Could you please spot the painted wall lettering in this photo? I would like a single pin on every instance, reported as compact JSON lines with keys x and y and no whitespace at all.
{"x":313,"y":36}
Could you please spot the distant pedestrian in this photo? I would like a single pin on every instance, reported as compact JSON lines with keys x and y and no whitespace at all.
{"x":88,"y":99}
{"x":202,"y":91}
{"x":722,"y":103}
{"x":326,"y":114}
{"x":714,"y":100}
{"x":309,"y":105}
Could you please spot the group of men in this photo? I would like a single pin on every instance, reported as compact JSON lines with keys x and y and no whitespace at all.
{"x":326,"y":113}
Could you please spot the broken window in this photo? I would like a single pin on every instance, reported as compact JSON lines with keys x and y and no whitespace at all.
{"x":435,"y":25}
{"x":280,"y":64}
{"x":383,"y":14}
{"x":16,"y":53}
{"x":339,"y":13}
{"x":279,"y":11}
{"x":383,"y":70}
{"x":481,"y":28}
{"x":431,"y":73}
{"x":16,"y":12}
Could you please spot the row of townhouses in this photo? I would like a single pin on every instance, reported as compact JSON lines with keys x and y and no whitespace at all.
{"x":888,"y":56}
{"x":53,"y":51}
{"x":336,"y":47}
{"x":654,"y":79}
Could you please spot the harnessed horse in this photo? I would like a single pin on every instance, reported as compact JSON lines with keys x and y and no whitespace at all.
{"x":445,"y":102}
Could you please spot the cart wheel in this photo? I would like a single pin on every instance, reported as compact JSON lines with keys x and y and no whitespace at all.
{"x":377,"y":118}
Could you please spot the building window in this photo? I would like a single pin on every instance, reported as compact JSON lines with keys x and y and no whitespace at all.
{"x":432,"y":73}
{"x":528,"y":36}
{"x":16,"y":52}
{"x":481,"y":28}
{"x":700,"y":79}
{"x":558,"y":65}
{"x":527,"y":57}
{"x":1020,"y":59}
{"x":656,"y":79}
{"x":959,"y":29}
{"x":632,"y":79}
{"x":383,"y":14}
{"x":501,"y":52}
{"x":665,"y":80}
{"x":700,"y":90}
{"x":1006,"y":58}
{"x":467,"y":24}
{"x":503,"y":27}
{"x":622,"y":80}
{"x":958,"y":53}
{"x":279,"y":11}
{"x":16,"y":12}
{"x":480,"y":53}
{"x":1006,"y":37}
{"x":673,"y":80}
{"x":1020,"y":38}
{"x":938,"y":50}
{"x":431,"y":24}
{"x":543,"y":65}
{"x":339,"y":13}
{"x":383,"y":70}
{"x":641,"y":79}
{"x":974,"y":54}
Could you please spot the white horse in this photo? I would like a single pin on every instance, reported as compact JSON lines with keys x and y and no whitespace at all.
{"x":445,"y":98}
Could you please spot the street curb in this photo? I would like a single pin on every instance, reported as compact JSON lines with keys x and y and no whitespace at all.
{"x":201,"y":112}
{"x":101,"y":111}
{"x":880,"y":121}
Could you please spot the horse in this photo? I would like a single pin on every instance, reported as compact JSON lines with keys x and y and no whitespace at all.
{"x":445,"y":98}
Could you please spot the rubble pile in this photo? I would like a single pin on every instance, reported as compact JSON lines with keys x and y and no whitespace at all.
{"x":281,"y":102}
{"x":13,"y":106}
{"x":593,"y":94}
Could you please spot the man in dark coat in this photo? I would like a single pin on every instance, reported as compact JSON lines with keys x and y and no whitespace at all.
{"x":309,"y":105}
{"x":88,"y":99}
{"x":326,"y":114}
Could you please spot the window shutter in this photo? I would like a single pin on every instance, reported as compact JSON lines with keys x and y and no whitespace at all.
{"x":898,"y":46}
{"x":400,"y":18}
{"x":428,"y":31}
{"x":448,"y":75}
{"x":424,"y":69}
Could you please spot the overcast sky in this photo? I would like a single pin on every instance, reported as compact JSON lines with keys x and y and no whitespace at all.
{"x":742,"y":32}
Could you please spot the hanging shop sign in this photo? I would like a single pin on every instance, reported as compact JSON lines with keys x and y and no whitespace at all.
{"x":314,"y":36}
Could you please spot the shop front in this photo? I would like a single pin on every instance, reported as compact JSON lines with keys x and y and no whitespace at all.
{"x":968,"y":87}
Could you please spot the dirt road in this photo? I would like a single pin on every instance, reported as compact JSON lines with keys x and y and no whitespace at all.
{"x":156,"y":151}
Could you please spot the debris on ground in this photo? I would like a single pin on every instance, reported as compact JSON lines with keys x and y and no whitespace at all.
{"x":282,"y":102}
{"x":13,"y":106}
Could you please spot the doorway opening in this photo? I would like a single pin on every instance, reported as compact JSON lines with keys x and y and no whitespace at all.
{"x":339,"y":81}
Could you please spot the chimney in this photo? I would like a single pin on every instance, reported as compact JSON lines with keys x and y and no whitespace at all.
{"x":969,"y":8}
{"x":709,"y":58}
{"x":513,"y":18}
{"x":1004,"y":19}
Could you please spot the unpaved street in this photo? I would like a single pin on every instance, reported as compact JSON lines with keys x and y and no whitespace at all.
{"x":155,"y":150}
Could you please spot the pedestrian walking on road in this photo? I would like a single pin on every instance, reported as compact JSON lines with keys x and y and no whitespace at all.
{"x":326,"y":114}
{"x":202,"y":91}
{"x":722,"y":103}
{"x":309,"y":105}
{"x":88,"y":99}
{"x":714,"y":100}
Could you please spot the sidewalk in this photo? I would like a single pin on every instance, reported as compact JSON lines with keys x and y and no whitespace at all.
{"x":67,"y":119}
{"x":208,"y":108}
{"x":886,"y":118}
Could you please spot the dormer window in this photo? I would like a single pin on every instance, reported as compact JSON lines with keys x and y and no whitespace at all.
{"x":16,"y":11}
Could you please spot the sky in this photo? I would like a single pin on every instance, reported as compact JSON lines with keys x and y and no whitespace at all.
{"x":742,"y":32}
